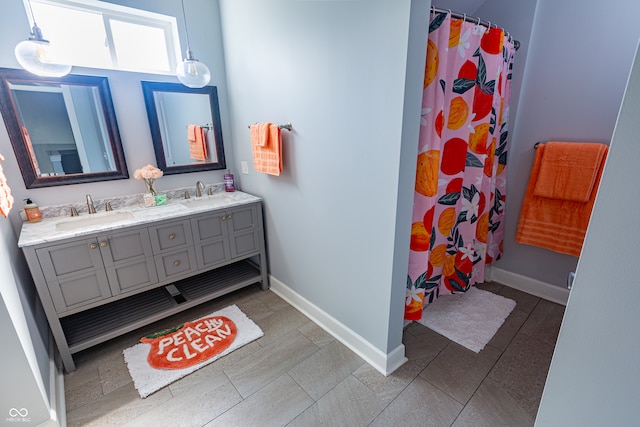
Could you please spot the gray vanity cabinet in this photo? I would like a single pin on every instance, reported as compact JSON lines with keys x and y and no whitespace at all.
{"x":83,"y":272}
{"x":210,"y":238}
{"x":173,"y":245}
{"x":103,"y":284}
{"x":224,"y":235}
{"x":128,"y":260}
{"x":243,"y":236}
{"x":74,"y":273}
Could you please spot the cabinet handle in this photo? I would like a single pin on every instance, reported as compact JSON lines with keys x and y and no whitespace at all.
{"x":93,"y":245}
{"x":229,"y":216}
{"x":103,"y":244}
{"x":172,"y":236}
{"x":176,"y":263}
{"x":222,"y":218}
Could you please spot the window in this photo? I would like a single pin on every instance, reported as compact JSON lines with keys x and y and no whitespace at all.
{"x":96,"y":34}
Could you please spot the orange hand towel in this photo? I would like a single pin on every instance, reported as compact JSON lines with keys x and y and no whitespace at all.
{"x":551,"y":223}
{"x":568,"y":170}
{"x":266,"y":144}
{"x":197,"y":142}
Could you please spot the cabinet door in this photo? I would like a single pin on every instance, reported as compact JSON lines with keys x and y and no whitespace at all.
{"x":74,"y":273}
{"x":243,"y":233}
{"x":128,"y":259}
{"x":125,"y":245}
{"x":211,"y":239}
{"x":78,"y":290}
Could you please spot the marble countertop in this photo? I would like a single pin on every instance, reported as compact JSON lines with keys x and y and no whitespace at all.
{"x":64,"y":227}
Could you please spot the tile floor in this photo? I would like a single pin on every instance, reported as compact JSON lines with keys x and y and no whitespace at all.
{"x":298,"y":375}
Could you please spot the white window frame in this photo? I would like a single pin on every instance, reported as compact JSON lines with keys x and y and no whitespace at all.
{"x":168,"y":24}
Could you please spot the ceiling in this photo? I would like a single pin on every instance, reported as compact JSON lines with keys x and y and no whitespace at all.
{"x":462,"y":6}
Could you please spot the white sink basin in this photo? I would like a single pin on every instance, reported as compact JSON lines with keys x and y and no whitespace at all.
{"x":206,"y":201}
{"x":105,"y":218}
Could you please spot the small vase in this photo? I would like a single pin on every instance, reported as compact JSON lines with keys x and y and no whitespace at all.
{"x":150,"y":188}
{"x":149,"y":199}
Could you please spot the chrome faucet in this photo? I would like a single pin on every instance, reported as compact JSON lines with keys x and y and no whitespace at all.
{"x":90,"y":207}
{"x":199,"y":188}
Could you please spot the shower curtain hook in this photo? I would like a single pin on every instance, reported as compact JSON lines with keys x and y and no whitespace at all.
{"x":464,"y":18}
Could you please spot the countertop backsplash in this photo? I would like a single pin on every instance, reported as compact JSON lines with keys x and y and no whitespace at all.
{"x":118,"y":201}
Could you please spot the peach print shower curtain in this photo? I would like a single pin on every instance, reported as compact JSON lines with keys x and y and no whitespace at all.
{"x":458,"y":213}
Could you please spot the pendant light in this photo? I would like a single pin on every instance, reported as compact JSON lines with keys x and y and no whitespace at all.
{"x":191,"y":72}
{"x":35,"y":54}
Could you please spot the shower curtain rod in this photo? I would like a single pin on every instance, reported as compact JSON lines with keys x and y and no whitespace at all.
{"x":516,"y":43}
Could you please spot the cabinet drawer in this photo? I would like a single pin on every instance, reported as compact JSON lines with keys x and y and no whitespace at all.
{"x":170,"y":236}
{"x":176,"y":264}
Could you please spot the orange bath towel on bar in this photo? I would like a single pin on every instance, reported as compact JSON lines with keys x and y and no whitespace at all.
{"x":569,"y":170}
{"x":559,"y":220}
{"x":266,"y":144}
{"x":197,"y":142}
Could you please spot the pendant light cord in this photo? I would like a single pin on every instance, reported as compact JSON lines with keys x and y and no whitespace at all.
{"x":186,"y":30}
{"x":33,"y":17}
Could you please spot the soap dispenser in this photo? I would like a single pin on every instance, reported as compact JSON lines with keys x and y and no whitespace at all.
{"x":32,"y":211}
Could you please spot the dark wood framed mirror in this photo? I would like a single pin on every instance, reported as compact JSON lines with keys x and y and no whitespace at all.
{"x":63,"y":130}
{"x":185,"y":127}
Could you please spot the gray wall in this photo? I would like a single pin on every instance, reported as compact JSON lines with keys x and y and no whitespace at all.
{"x":203,"y":19}
{"x":568,"y":85}
{"x":337,"y":71}
{"x":25,"y":383}
{"x":594,"y":375}
{"x":337,"y":220}
{"x":572,"y":88}
{"x":24,"y":379}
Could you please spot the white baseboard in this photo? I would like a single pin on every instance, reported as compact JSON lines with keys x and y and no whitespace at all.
{"x":383,"y":363}
{"x":531,"y":286}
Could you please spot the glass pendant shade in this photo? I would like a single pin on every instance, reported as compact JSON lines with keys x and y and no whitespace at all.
{"x":192,"y":73}
{"x":37,"y":56}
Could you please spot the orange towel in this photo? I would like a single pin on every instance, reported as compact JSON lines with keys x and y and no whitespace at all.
{"x":6,"y":199}
{"x":197,"y":142}
{"x":266,"y":144}
{"x":551,"y":223}
{"x":568,"y":170}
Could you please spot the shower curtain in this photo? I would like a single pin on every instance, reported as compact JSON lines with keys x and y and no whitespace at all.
{"x":458,"y":213}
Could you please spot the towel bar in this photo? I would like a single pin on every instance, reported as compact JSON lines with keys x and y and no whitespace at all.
{"x":287,"y":126}
{"x":207,"y":126}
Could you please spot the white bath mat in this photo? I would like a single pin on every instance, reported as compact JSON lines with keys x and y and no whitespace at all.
{"x":179,"y":351}
{"x":471,"y":319}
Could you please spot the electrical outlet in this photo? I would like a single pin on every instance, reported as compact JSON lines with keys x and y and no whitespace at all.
{"x":245,"y":168}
